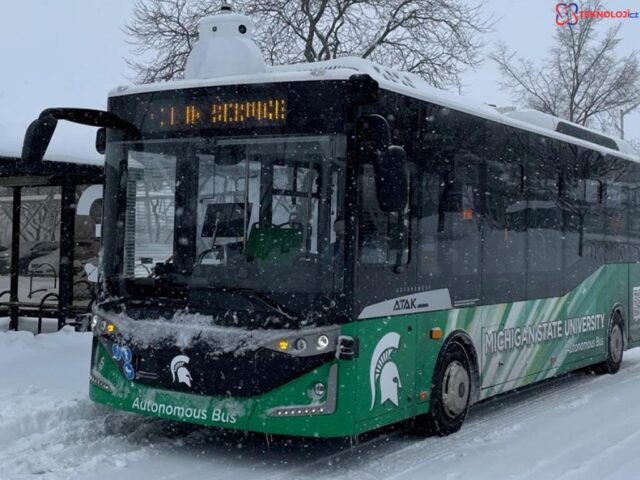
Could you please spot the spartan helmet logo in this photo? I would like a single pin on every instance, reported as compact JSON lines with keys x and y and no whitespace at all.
{"x":179,"y":370}
{"x":384,"y":371}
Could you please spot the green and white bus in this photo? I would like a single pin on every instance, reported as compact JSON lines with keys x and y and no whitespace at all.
{"x":325,"y":249}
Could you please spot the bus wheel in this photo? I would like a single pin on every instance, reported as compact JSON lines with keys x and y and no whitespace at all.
{"x":450,"y":395}
{"x":615,"y":347}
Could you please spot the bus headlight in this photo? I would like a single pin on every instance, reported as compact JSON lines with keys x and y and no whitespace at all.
{"x":102,"y":326}
{"x":306,"y":342}
{"x":301,"y":344}
{"x":322,"y":342}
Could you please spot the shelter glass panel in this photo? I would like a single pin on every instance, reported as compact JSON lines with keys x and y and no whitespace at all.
{"x":39,"y":265}
{"x":6,"y":222}
{"x":87,"y":230}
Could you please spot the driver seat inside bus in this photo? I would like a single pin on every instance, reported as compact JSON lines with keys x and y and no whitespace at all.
{"x":278,"y":244}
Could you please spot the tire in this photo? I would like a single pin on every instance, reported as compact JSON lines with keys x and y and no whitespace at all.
{"x":615,"y":347}
{"x":450,"y":393}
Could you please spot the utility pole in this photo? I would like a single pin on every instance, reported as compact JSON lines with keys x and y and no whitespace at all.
{"x":623,"y":112}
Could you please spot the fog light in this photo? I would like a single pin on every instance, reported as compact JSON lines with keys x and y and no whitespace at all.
{"x":111,"y":327}
{"x":283,"y":344}
{"x":301,"y":344}
{"x":322,"y":342}
{"x":319,"y":389}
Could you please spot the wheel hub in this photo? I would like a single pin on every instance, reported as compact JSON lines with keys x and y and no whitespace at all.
{"x":455,"y":389}
{"x":616,"y":343}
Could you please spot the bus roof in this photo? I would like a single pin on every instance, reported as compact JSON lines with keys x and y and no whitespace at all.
{"x":400,"y":82}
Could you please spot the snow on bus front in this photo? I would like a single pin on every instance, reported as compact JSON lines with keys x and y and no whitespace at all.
{"x":200,"y":368}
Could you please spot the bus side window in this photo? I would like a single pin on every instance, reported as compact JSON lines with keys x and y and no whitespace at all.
{"x":449,"y":219}
{"x":458,"y":232}
{"x":583,"y":209}
{"x":616,"y":206}
{"x":634,"y":214}
{"x":428,"y":203}
{"x":544,"y":219}
{"x":503,"y":229}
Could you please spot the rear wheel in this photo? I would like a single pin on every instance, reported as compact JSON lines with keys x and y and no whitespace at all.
{"x":615,"y":347}
{"x":450,"y":394}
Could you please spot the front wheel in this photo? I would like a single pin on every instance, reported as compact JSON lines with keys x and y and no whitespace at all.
{"x":615,"y":347}
{"x":450,"y":393}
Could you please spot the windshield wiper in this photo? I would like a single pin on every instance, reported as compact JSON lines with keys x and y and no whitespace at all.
{"x":252,"y":294}
{"x":271,"y":304}
{"x":164,"y":284}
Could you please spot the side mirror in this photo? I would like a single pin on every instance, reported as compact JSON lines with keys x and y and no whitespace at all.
{"x":37,"y":139}
{"x":374,"y":134}
{"x":101,"y":140}
{"x":392,"y":179}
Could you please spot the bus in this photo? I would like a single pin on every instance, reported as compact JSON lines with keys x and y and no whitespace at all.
{"x":325,"y":249}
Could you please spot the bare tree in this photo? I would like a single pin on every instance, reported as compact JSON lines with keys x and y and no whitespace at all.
{"x":582,"y":80}
{"x":437,"y":39}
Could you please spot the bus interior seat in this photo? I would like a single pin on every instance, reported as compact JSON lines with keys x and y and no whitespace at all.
{"x":275,"y":244}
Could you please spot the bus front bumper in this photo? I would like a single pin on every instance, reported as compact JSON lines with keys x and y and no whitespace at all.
{"x":292,"y":409}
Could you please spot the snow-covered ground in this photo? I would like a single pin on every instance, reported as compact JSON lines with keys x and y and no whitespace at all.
{"x":577,"y":427}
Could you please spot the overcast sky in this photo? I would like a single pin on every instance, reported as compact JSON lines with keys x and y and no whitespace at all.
{"x":70,"y":53}
{"x":59,"y":53}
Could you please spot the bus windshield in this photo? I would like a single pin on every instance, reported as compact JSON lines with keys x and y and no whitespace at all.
{"x":240,"y":213}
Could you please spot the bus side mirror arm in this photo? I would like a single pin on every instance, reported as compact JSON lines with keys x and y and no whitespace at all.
{"x":37,"y":139}
{"x":40,"y":131}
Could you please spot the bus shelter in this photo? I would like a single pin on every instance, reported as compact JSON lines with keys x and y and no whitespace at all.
{"x":50,"y":213}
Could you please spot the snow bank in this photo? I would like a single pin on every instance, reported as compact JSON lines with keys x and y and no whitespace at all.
{"x":45,"y":362}
{"x":49,"y":429}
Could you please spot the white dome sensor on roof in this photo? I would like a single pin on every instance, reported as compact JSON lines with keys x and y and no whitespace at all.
{"x":225,"y":47}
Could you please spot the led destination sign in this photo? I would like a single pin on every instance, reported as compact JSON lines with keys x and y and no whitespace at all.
{"x":178,"y":115}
